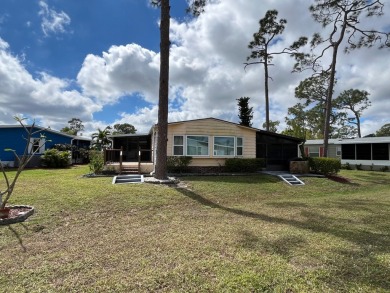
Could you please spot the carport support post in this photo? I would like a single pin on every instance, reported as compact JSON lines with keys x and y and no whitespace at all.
{"x":120,"y":160}
{"x":139,"y":160}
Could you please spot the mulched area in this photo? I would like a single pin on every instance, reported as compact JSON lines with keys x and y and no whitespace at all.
{"x":17,"y":214}
{"x":339,"y":179}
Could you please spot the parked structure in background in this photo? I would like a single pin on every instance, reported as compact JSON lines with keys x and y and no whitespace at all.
{"x":14,"y":136}
{"x":366,"y":152}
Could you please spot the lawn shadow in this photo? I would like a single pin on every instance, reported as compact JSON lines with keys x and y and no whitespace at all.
{"x":283,"y":245}
{"x":250,"y":178}
{"x":352,"y":270}
{"x":17,"y":235}
{"x":373,"y":177}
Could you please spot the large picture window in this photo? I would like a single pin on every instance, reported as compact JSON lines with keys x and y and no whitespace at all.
{"x":178,"y":145}
{"x":224,"y":146}
{"x":197,"y":145}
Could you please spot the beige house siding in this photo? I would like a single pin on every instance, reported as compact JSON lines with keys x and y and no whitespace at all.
{"x":212,"y":128}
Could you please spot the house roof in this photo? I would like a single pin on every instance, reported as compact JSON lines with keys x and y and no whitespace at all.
{"x":48,"y":130}
{"x":339,"y":141}
{"x":247,"y":127}
{"x":321,"y":141}
{"x":269,"y":133}
{"x":128,"y":135}
{"x":376,"y":139}
{"x":215,"y":119}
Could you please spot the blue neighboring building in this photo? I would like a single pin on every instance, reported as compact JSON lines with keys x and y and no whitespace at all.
{"x":14,"y":137}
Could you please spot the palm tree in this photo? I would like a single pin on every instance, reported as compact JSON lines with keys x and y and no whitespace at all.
{"x":100,"y":138}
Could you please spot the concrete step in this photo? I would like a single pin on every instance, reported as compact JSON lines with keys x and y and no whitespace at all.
{"x":291,"y":179}
{"x":129,"y":170}
{"x":124,"y":179}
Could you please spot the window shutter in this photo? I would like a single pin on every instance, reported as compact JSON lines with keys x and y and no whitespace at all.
{"x":42,"y":144}
{"x":321,"y":152}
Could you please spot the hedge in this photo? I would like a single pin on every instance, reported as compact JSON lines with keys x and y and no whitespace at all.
{"x":244,"y":165}
{"x":54,"y":158}
{"x":325,"y":166}
{"x":178,"y":164}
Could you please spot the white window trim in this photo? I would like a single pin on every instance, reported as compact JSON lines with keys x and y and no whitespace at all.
{"x":211,"y":139}
{"x":318,"y":151}
{"x":234,"y":146}
{"x":41,"y":145}
{"x":338,"y":151}
{"x":184,"y":145}
{"x":237,"y":146}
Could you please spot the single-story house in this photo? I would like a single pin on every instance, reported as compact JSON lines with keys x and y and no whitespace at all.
{"x":369,"y":152}
{"x":208,"y":141}
{"x":14,"y":137}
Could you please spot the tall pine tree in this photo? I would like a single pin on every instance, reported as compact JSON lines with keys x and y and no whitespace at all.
{"x":244,"y":112}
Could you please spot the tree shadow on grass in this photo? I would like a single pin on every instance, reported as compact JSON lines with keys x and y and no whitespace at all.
{"x":236,"y":178}
{"x":373,"y":177}
{"x":17,"y":234}
{"x":358,"y":266}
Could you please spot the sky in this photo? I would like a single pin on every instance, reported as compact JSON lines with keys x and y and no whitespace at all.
{"x":98,"y":60}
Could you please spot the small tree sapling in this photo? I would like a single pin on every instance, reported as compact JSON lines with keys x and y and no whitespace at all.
{"x":22,"y":160}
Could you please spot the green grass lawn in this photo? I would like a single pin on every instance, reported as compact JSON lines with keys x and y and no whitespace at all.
{"x":220,"y":234}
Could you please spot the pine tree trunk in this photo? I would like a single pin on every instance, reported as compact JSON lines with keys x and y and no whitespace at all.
{"x":328,"y":104}
{"x":266,"y":93}
{"x":162,"y":127}
{"x":358,"y":125}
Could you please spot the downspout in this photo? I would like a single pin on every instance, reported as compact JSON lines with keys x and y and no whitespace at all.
{"x":71,"y":151}
{"x":154,"y":150}
{"x":301,"y":149}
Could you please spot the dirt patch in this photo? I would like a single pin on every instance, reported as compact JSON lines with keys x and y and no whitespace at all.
{"x":339,"y":179}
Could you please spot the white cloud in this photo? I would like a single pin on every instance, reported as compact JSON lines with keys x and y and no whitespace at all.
{"x":209,"y":52}
{"x":53,"y":22}
{"x":3,"y":44}
{"x":47,"y":99}
{"x":120,"y":71}
{"x":206,"y":72}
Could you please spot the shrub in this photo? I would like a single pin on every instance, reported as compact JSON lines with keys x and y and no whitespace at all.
{"x":244,"y":165}
{"x":347,"y":166}
{"x":54,"y":158}
{"x":96,"y":162}
{"x":384,"y":169}
{"x":64,"y":147}
{"x":178,"y":164}
{"x":325,"y":166}
{"x":359,"y":167}
{"x":109,"y":170}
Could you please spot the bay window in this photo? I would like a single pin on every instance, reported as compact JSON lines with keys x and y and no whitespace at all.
{"x":199,"y":145}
